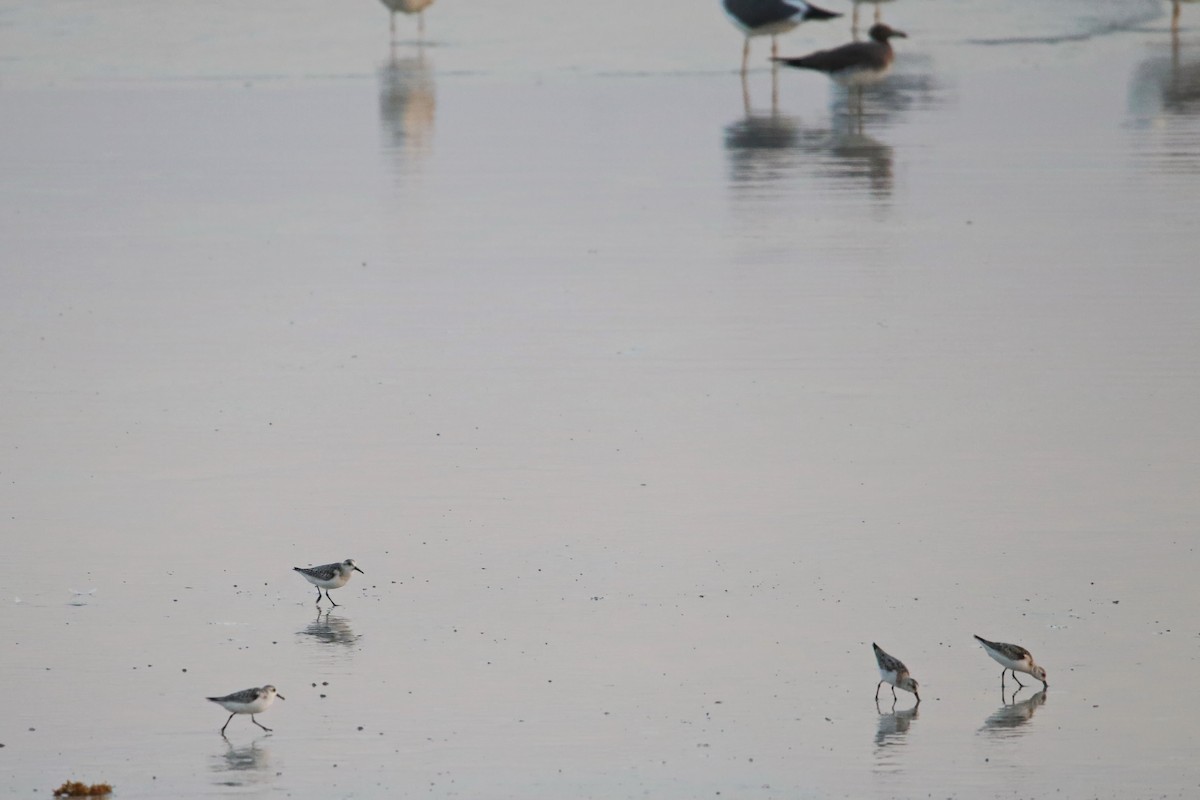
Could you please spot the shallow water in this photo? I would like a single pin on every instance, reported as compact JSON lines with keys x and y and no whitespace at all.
{"x":645,"y":401}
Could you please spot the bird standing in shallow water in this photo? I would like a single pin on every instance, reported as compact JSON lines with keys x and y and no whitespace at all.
{"x":248,"y":701}
{"x":773,"y":17}
{"x":893,"y":671}
{"x":1013,"y":658}
{"x":408,"y":7}
{"x":329,"y":576}
{"x":855,"y":63}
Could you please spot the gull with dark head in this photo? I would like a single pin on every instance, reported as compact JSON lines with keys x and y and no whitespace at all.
{"x":855,"y":63}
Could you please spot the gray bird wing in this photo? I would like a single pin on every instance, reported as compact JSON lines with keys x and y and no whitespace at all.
{"x":244,"y":696}
{"x":325,"y":572}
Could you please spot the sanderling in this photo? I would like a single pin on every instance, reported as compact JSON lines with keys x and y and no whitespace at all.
{"x":893,"y":671}
{"x":1015,"y":658}
{"x":247,"y":701}
{"x":328,"y":576}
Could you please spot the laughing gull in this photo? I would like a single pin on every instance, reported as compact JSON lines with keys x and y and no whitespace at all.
{"x":854,"y":63}
{"x":773,"y":17}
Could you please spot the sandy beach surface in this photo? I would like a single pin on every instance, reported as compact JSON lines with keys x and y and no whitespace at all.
{"x":645,"y":397}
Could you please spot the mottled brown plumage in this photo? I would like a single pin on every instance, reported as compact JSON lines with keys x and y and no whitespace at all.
{"x":853,"y":62}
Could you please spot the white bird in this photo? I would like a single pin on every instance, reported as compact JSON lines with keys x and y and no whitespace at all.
{"x":1013,"y":658}
{"x":248,"y":701}
{"x":329,"y":576}
{"x":893,"y":671}
{"x":770,"y":17}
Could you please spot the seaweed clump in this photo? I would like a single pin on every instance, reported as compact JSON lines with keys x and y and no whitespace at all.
{"x":77,"y":789}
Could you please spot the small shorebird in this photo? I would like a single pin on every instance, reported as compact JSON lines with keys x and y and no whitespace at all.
{"x":855,"y":63}
{"x":893,"y":671}
{"x":1013,"y":658}
{"x":408,"y":7}
{"x":770,"y":17}
{"x":329,"y":576}
{"x":247,"y":701}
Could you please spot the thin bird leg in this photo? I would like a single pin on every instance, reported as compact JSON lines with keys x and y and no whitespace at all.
{"x":774,"y":87}
{"x":1018,"y":680}
{"x":226,"y":725}
{"x":318,"y":595}
{"x":894,"y":698}
{"x":1002,"y":678}
{"x":877,"y":691}
{"x":330,"y":599}
{"x":259,"y":724}
{"x":774,"y":47}
{"x":746,"y":55}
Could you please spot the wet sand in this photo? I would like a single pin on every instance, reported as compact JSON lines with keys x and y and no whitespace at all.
{"x":645,"y":403}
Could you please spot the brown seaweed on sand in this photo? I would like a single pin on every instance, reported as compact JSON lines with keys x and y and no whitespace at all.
{"x":77,"y":789}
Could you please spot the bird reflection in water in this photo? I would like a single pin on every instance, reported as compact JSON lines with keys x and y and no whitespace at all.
{"x":1012,"y":715}
{"x":761,"y":145}
{"x":329,"y":629}
{"x":1169,"y":83}
{"x":1164,"y":104}
{"x":855,"y":157}
{"x":893,"y":724}
{"x":407,"y":103}
{"x":765,"y":148}
{"x":242,"y":766}
{"x":407,"y":7}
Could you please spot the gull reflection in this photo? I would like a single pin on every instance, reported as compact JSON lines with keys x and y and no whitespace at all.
{"x":910,"y":86}
{"x":1012,"y":715}
{"x":859,"y":159}
{"x":761,"y":146}
{"x":764,"y":148}
{"x":1164,"y":101}
{"x":242,"y":766}
{"x":1168,"y":83}
{"x":329,"y":629}
{"x":407,"y":103}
